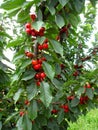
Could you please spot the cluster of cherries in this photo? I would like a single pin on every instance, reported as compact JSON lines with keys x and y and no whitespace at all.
{"x":43,"y":46}
{"x":83,"y":99}
{"x":31,"y":31}
{"x":37,"y":63}
{"x":37,"y":66}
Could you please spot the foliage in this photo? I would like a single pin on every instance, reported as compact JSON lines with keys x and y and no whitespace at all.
{"x":51,"y":82}
{"x":87,"y":122}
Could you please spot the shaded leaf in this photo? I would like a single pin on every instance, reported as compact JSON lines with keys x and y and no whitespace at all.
{"x":17,"y":95}
{"x":90,"y":93}
{"x":48,"y":70}
{"x":31,"y":91}
{"x":59,"y":21}
{"x":32,"y":110}
{"x":75,"y":102}
{"x":45,"y":94}
{"x":10,"y":117}
{"x":63,"y":2}
{"x":29,"y":74}
{"x":27,"y":124}
{"x":58,"y":48}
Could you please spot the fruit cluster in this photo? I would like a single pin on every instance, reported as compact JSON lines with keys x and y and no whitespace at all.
{"x":65,"y":107}
{"x":83,"y":99}
{"x":31,"y":31}
{"x":37,"y":66}
{"x":43,"y":46}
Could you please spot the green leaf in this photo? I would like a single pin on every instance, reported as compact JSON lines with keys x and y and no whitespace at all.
{"x":8,"y":5}
{"x":39,"y":15}
{"x":75,"y":102}
{"x":59,"y":21}
{"x":89,"y":93}
{"x":58,"y":84}
{"x":79,"y":5}
{"x":31,"y":91}
{"x":14,"y":43}
{"x":63,"y":2}
{"x":58,"y":48}
{"x":29,"y":74}
{"x":93,"y":2}
{"x":45,"y":94}
{"x":22,"y":16}
{"x":32,"y":110}
{"x":37,"y":25}
{"x":73,"y":19}
{"x":5,"y":34}
{"x":60,"y":117}
{"x":0,"y":125}
{"x":17,"y":95}
{"x":51,"y":9}
{"x":48,"y":70}
{"x":13,"y":12}
{"x":19,"y":124}
{"x":57,"y":69}
{"x":27,"y":124}
{"x":25,"y":63}
{"x":10,"y":117}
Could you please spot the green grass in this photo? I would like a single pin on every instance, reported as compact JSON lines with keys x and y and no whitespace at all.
{"x":87,"y":122}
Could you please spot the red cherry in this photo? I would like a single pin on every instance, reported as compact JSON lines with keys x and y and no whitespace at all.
{"x":43,"y":59}
{"x":70,"y":98}
{"x":88,"y":86}
{"x":42,"y":29}
{"x":28,"y":25}
{"x":45,"y":46}
{"x":37,"y":76}
{"x":21,"y":113}
{"x":27,"y":102}
{"x":42,"y":75}
{"x":37,"y":67}
{"x":29,"y":54}
{"x":34,"y":62}
{"x":38,"y":83}
{"x":33,"y":16}
{"x":40,"y":47}
{"x":75,"y":73}
{"x":54,"y":111}
{"x":28,"y":31}
{"x":40,"y":61}
{"x":41,"y":33}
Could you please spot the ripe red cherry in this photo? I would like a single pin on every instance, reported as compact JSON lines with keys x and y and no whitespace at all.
{"x":42,"y":29}
{"x":34,"y":62}
{"x":45,"y":46}
{"x":38,"y":83}
{"x":27,"y":102}
{"x":54,"y":111}
{"x":40,"y":47}
{"x":37,"y":67}
{"x":21,"y":113}
{"x":88,"y":85}
{"x":28,"y":31}
{"x":37,"y":76}
{"x":28,"y":25}
{"x":40,"y":61}
{"x":33,"y":16}
{"x":29,"y":54}
{"x":42,"y":75}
